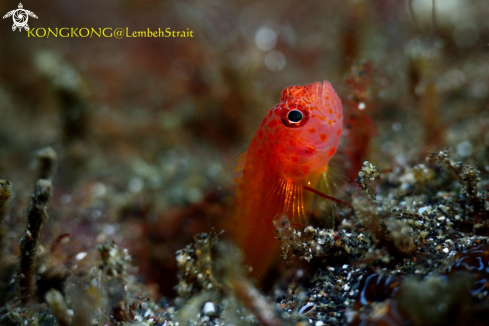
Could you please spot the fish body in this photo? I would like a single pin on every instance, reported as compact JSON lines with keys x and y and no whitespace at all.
{"x":291,"y":149}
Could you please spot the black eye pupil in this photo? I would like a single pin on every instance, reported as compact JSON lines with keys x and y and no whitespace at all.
{"x":294,"y":116}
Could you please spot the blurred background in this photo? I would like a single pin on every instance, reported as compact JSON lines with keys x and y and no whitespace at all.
{"x":142,"y":125}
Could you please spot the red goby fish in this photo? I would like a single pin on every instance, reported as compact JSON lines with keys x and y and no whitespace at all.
{"x":290,"y":150}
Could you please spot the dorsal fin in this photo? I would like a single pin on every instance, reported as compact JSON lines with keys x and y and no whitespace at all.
{"x":225,"y":182}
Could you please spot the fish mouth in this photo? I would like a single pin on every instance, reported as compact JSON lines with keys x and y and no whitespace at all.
{"x":325,"y":95}
{"x":325,"y":89}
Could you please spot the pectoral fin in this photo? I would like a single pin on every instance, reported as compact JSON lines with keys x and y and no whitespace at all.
{"x":331,"y":182}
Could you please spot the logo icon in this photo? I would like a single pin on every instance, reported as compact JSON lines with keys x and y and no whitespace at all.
{"x":20,"y":16}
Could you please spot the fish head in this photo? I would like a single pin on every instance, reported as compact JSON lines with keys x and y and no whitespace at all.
{"x":308,"y":128}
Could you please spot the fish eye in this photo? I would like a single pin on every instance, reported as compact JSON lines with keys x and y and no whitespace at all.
{"x":294,"y":116}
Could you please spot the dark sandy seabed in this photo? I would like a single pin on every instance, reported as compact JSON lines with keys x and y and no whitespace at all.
{"x":111,"y":147}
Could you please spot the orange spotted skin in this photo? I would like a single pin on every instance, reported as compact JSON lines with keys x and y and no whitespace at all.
{"x":283,"y":157}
